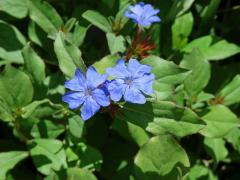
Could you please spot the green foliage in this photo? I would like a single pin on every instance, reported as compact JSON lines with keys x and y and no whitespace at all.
{"x":189,"y":128}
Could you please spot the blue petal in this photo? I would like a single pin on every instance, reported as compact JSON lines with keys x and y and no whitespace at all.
{"x":150,"y":11}
{"x":137,"y":69}
{"x":145,"y":83}
{"x":89,"y":108}
{"x":100,"y":97}
{"x":134,"y":95}
{"x":154,"y":19}
{"x":94,"y":78}
{"x":74,"y":99}
{"x":136,"y":9}
{"x":116,"y":89}
{"x":144,"y":23}
{"x":119,"y":71}
{"x":77,"y":83}
{"x":130,"y":15}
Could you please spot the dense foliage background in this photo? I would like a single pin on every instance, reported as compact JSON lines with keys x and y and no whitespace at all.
{"x":189,"y":129}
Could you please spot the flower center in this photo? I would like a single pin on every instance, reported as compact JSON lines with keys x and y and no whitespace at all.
{"x":128,"y":81}
{"x":88,"y":92}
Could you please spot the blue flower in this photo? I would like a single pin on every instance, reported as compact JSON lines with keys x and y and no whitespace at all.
{"x":130,"y":81}
{"x":143,"y":14}
{"x":87,"y":92}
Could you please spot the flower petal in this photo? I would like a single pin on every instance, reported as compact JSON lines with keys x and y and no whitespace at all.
{"x":137,"y":9}
{"x":119,"y":71}
{"x":145,"y":83}
{"x":154,"y":19}
{"x":138,"y":69}
{"x":150,"y":11}
{"x":100,"y":97}
{"x":116,"y":89}
{"x":144,"y":22}
{"x":130,"y":15}
{"x":74,"y":99}
{"x":94,"y":78}
{"x":77,"y":83}
{"x":133,"y":95}
{"x":89,"y":108}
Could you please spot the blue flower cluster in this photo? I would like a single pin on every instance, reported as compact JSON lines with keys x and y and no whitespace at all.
{"x":92,"y":91}
{"x":143,"y":14}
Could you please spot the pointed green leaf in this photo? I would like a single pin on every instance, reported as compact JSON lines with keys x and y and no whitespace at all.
{"x":158,"y":157}
{"x":75,"y":126}
{"x":48,"y":155}
{"x":97,"y":20}
{"x":166,"y":71}
{"x":11,"y":43}
{"x":215,"y":147}
{"x":220,"y":120}
{"x":13,"y":87}
{"x":213,"y":48}
{"x":106,"y":62}
{"x":47,"y":129}
{"x":231,"y":92}
{"x":9,"y":159}
{"x":116,"y":43}
{"x":33,"y":64}
{"x":45,"y":16}
{"x":200,"y":75}
{"x":77,"y":173}
{"x":14,"y":8}
{"x":69,"y":56}
{"x":181,"y":29}
{"x":162,"y":117}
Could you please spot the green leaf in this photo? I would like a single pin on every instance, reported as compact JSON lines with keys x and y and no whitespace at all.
{"x":130,"y":131}
{"x":166,"y":125}
{"x":115,"y":43}
{"x":5,"y":111}
{"x":69,"y":25}
{"x":77,"y":173}
{"x":47,"y":129}
{"x":9,"y":159}
{"x":231,"y":92}
{"x":30,"y":108}
{"x":213,"y":48}
{"x":97,"y":20}
{"x":14,"y":8}
{"x":78,"y":35}
{"x":178,"y":8}
{"x":200,"y":76}
{"x":33,"y":64}
{"x":233,"y":137}
{"x":13,"y":87}
{"x":75,"y":126}
{"x":166,"y":71}
{"x":181,"y":29}
{"x":48,"y":155}
{"x":220,"y":120}
{"x":208,"y":15}
{"x":45,"y":16}
{"x":89,"y":157}
{"x":158,"y":157}
{"x":85,"y":157}
{"x":11,"y":43}
{"x":162,"y":117}
{"x":163,"y":91}
{"x":38,"y":36}
{"x":215,"y":147}
{"x":106,"y":62}
{"x":69,"y":56}
{"x":197,"y":172}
